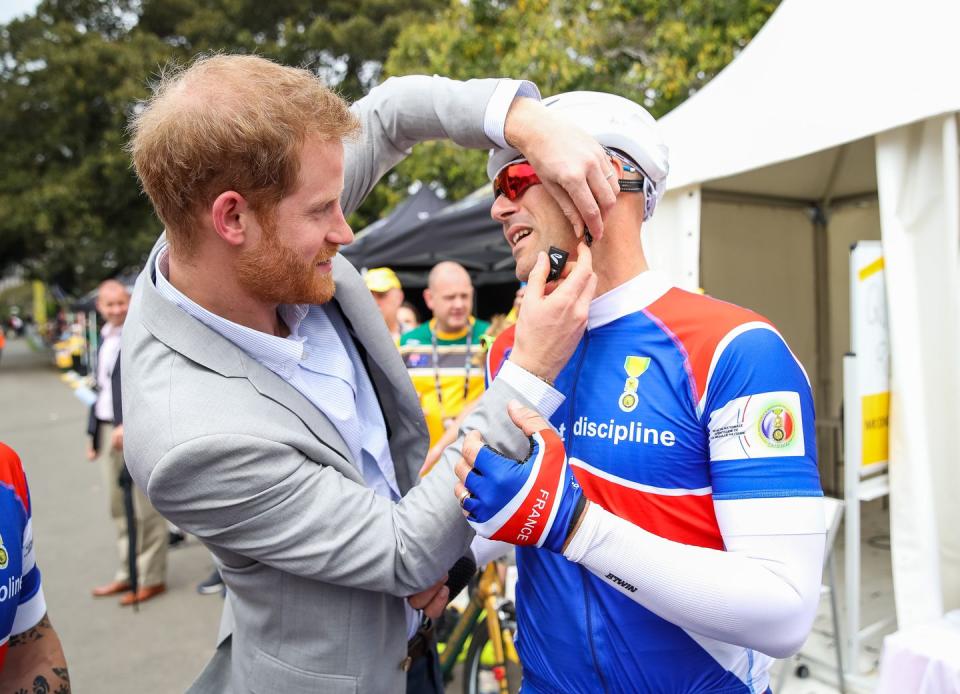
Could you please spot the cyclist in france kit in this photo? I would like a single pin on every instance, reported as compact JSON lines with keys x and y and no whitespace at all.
{"x":669,"y":519}
{"x":31,"y":657}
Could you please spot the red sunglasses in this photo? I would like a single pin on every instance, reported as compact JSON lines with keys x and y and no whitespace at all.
{"x":514,"y":179}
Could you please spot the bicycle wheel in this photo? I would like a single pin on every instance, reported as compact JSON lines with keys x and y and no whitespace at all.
{"x":479,"y":673}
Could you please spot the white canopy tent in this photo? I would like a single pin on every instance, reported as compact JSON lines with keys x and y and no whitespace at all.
{"x":839,"y":122}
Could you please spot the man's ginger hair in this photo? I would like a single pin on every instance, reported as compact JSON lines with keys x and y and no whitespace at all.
{"x":228,"y":122}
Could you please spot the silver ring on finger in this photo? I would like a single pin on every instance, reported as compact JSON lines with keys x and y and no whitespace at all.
{"x":611,"y":174}
{"x":464,"y":495}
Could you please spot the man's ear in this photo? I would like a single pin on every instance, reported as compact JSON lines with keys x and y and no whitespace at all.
{"x":428,"y":298}
{"x":230,"y":213}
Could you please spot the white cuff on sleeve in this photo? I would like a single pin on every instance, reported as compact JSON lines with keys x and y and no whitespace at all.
{"x":544,"y":397}
{"x":486,"y":551}
{"x":496,"y":114}
{"x":585,"y":536}
{"x":798,"y":515}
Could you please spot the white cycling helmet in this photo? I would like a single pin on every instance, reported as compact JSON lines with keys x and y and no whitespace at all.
{"x":615,"y":122}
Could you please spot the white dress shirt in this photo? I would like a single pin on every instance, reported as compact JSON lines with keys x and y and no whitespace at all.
{"x":106,"y":363}
{"x":320,"y":360}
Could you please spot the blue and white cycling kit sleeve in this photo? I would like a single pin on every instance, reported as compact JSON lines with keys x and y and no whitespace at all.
{"x":761,"y":593}
{"x":762,"y":588}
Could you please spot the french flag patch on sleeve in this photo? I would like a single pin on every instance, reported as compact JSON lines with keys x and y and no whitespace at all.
{"x":763,"y":425}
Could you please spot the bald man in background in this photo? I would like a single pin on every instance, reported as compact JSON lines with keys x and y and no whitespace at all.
{"x":441,"y":355}
{"x":105,"y":428}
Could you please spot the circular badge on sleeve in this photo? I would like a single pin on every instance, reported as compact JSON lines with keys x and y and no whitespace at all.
{"x":776,"y":426}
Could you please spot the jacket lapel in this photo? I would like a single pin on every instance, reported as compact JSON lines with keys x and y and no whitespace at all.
{"x":364,"y":317}
{"x":272,"y":386}
{"x":398,"y":399}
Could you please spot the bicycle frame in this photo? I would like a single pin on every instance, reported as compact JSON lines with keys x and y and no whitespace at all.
{"x":482,"y":605}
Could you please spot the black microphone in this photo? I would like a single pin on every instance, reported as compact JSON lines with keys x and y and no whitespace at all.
{"x":460,"y":574}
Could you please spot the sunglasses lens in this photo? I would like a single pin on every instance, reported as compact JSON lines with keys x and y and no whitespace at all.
{"x":514,"y":180}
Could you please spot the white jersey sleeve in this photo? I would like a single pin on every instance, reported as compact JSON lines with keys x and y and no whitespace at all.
{"x":761,"y":593}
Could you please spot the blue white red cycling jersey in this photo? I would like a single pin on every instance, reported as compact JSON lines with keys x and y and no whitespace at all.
{"x":673,"y":400}
{"x":22,"y":604}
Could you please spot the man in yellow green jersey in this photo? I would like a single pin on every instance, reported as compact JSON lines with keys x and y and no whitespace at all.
{"x":442,"y":355}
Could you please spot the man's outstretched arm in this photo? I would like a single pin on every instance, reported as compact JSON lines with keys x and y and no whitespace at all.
{"x":35,"y":662}
{"x":483,"y":113}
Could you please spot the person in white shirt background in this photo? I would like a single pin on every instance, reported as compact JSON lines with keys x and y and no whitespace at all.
{"x":105,"y":428}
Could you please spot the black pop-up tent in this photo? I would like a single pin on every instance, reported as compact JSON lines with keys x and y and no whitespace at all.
{"x":373,"y":246}
{"x":462,"y":231}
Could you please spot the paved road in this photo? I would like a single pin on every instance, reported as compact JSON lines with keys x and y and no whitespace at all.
{"x":110,"y":650}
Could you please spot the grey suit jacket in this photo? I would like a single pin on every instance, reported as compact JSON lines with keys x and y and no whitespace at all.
{"x":317,"y":565}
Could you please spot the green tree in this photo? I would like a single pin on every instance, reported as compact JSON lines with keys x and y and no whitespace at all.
{"x":345,"y":41}
{"x":70,"y":207}
{"x":655,"y":52}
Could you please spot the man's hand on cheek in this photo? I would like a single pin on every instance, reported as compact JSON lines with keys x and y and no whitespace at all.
{"x":572,"y":166}
{"x":530,"y":503}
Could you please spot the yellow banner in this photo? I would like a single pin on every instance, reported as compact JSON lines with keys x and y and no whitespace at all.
{"x":876,"y":419}
{"x":39,"y":304}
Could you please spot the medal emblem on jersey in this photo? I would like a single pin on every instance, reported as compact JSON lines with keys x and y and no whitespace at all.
{"x":634,"y":366}
{"x":4,"y":557}
{"x":776,"y":426}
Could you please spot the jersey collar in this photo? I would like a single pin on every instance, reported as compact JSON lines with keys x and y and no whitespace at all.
{"x":631,"y":296}
{"x":459,"y":334}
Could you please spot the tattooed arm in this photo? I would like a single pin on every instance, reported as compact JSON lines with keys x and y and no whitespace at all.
{"x":35,"y":663}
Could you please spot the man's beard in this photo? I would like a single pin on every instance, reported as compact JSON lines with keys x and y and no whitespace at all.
{"x":275,"y":273}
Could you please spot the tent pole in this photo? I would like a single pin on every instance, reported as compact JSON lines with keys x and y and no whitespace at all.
{"x":755,"y":199}
{"x":827,"y":198}
{"x":821,"y":253}
{"x":821,"y":292}
{"x":821,"y":288}
{"x":848,"y":200}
